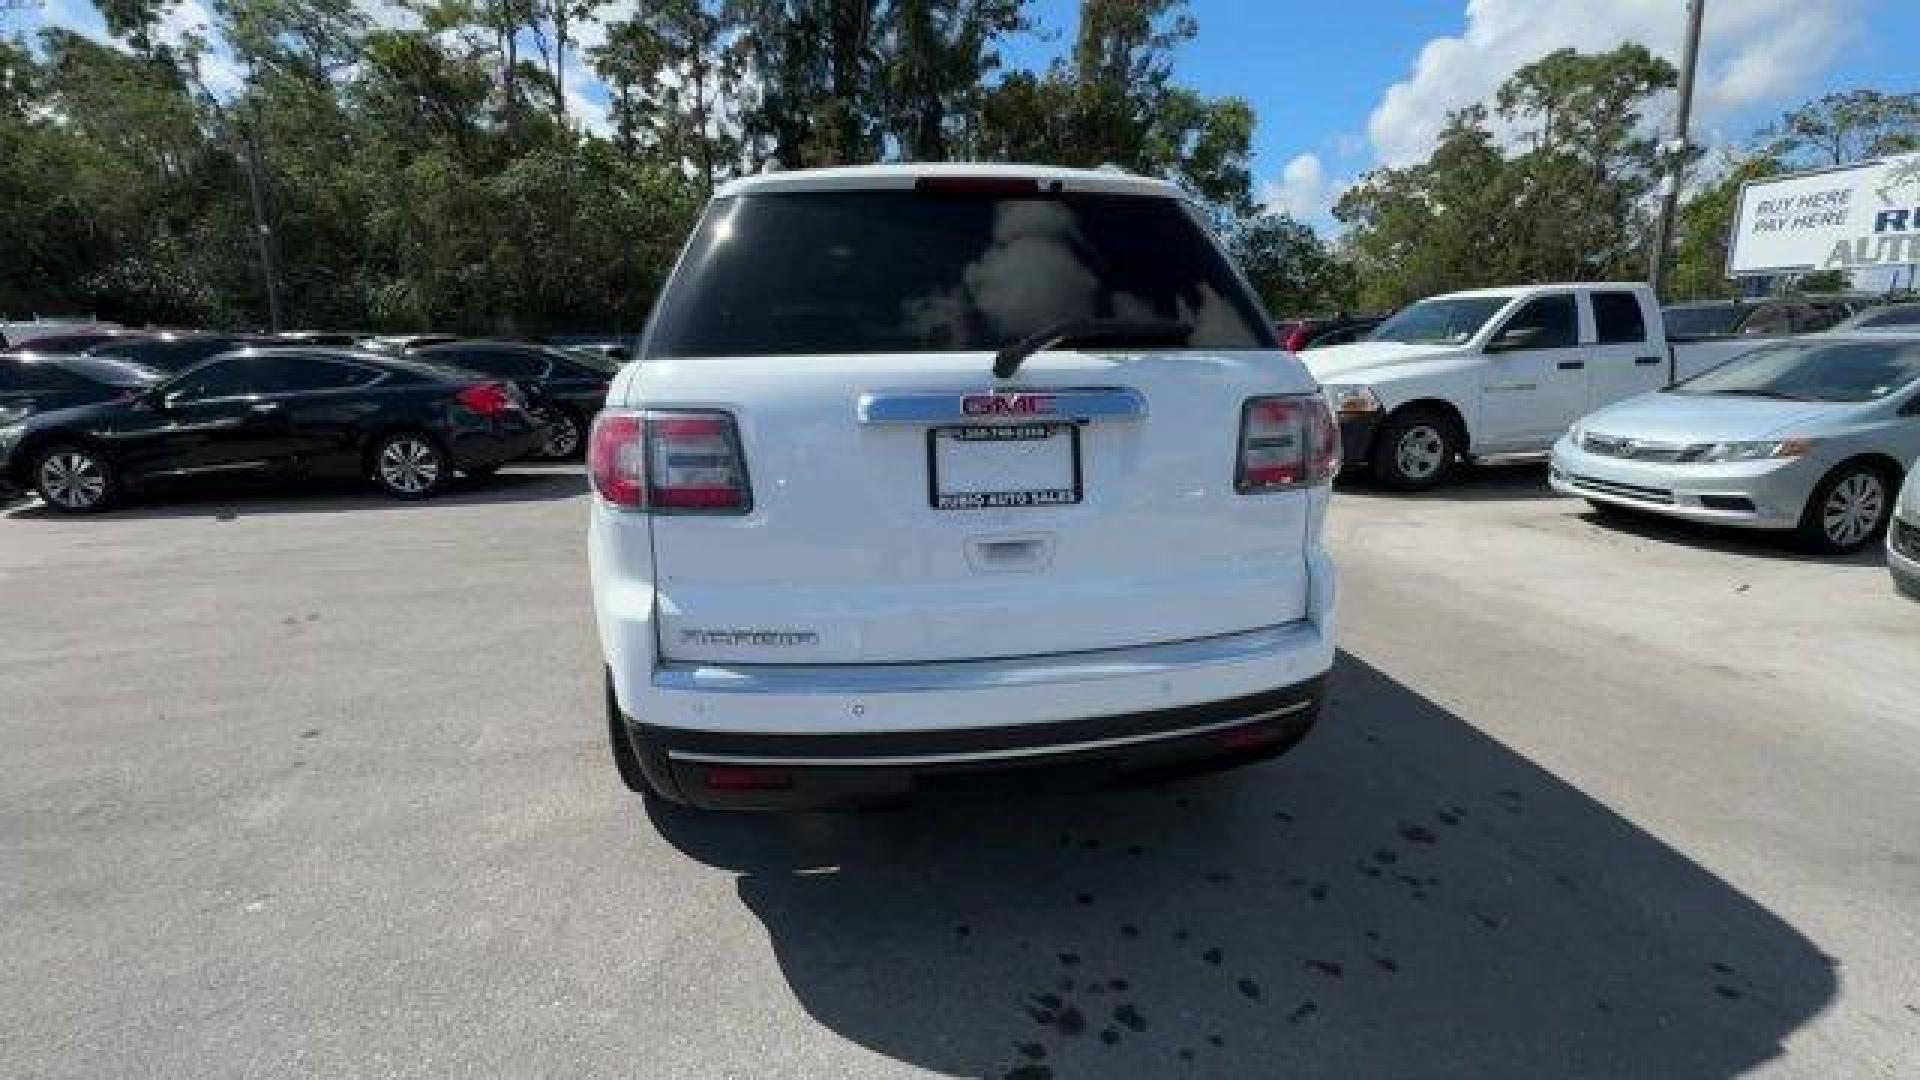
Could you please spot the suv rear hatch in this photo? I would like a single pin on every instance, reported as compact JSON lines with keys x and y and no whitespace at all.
{"x":901,"y":503}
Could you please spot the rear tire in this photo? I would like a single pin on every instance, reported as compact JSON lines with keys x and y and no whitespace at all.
{"x":1415,"y":450}
{"x":1612,"y":511}
{"x":75,"y":479}
{"x":410,"y":466}
{"x":1848,"y":510}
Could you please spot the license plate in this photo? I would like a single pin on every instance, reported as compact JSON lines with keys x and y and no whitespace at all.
{"x":985,"y":467}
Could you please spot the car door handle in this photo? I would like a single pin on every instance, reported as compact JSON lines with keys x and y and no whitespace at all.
{"x":1572,"y":365}
{"x":265,"y":406}
{"x":1648,"y":361}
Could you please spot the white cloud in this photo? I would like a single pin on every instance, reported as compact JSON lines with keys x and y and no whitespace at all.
{"x":1301,"y":192}
{"x":1752,"y":52}
{"x":189,"y":21}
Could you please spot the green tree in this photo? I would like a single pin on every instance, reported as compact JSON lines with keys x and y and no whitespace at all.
{"x":1568,"y":202}
{"x":1703,"y":224}
{"x":671,"y":71}
{"x":1290,"y":267}
{"x":1842,"y":128}
{"x":1115,"y":102}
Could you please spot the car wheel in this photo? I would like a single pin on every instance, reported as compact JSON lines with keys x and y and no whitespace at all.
{"x":1848,"y":510}
{"x":408,"y":465}
{"x":74,"y":479}
{"x":563,"y":437}
{"x":1414,"y":450}
{"x":625,"y":760}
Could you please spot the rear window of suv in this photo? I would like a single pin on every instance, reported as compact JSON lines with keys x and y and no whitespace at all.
{"x":811,"y":273}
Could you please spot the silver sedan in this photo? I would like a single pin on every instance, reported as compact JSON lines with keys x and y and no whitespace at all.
{"x":1813,"y":434}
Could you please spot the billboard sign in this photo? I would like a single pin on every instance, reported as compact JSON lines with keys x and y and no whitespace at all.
{"x":1849,"y":218}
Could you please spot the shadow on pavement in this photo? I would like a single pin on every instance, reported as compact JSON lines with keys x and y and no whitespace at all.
{"x":1707,"y":536}
{"x":1402,"y":896}
{"x":1489,"y":481}
{"x":227,"y":501}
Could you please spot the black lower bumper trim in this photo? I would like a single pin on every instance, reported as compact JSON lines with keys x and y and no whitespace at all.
{"x":826,"y":770}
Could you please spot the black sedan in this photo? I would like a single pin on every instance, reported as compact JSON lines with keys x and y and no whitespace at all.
{"x":567,"y":389}
{"x":34,"y":383}
{"x":268,"y":412}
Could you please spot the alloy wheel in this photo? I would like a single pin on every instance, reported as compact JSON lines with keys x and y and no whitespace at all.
{"x":1853,"y":508}
{"x":1420,"y":453}
{"x":73,"y":479}
{"x":409,"y":465}
{"x":563,"y":437}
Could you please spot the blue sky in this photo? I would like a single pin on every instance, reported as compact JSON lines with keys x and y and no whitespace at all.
{"x":1341,"y":86}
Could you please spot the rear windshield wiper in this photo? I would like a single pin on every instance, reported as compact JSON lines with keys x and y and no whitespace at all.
{"x":1109,"y":332}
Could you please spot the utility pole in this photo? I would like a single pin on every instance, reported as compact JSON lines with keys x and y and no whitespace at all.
{"x":1676,"y":150}
{"x":262,"y":232}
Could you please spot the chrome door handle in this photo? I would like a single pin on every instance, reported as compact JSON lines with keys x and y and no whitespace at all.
{"x":265,"y":406}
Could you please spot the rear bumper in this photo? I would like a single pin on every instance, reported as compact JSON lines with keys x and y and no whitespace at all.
{"x":499,"y":442}
{"x":843,"y":769}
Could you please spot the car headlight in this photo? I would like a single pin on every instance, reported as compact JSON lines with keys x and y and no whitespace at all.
{"x":9,"y":436}
{"x":1761,"y":450}
{"x":1353,"y":400}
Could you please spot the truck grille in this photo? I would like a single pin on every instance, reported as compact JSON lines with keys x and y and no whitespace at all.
{"x":1624,"y":491}
{"x":1637,"y":449}
{"x":1906,"y":539}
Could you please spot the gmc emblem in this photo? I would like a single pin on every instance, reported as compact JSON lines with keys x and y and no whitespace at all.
{"x":1009,"y":405}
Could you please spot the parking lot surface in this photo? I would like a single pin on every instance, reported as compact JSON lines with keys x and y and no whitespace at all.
{"x":316,"y":784}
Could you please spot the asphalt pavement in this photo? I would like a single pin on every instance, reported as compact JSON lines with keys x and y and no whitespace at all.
{"x":303,"y":784}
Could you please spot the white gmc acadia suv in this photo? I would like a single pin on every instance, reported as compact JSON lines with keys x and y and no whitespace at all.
{"x":928,"y":477}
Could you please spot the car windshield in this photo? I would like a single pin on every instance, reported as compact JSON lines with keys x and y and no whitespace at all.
{"x":110,"y":372}
{"x":1813,"y":370}
{"x":1902,"y":315}
{"x":599,"y":361}
{"x":1446,"y":320}
{"x":1705,"y":320}
{"x":785,"y":274}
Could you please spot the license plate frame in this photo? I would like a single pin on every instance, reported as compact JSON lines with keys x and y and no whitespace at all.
{"x":1012,"y":499}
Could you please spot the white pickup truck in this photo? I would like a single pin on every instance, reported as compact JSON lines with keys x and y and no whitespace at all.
{"x":1498,"y":371}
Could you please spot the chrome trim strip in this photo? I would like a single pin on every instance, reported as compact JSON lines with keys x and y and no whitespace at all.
{"x":1014,"y":754}
{"x":1082,"y":404}
{"x":983,"y":674}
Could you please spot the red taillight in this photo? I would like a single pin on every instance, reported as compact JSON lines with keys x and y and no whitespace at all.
{"x":487,"y":399}
{"x":617,"y":458}
{"x":1287,"y":442}
{"x":665,"y":462}
{"x":1297,"y":339}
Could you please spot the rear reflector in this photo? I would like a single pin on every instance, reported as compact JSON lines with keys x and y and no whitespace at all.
{"x":669,"y":462}
{"x":745,"y":779}
{"x":1246,"y":738}
{"x":1287,"y":442}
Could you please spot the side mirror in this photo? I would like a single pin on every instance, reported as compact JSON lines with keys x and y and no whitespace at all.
{"x":1515,"y":338}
